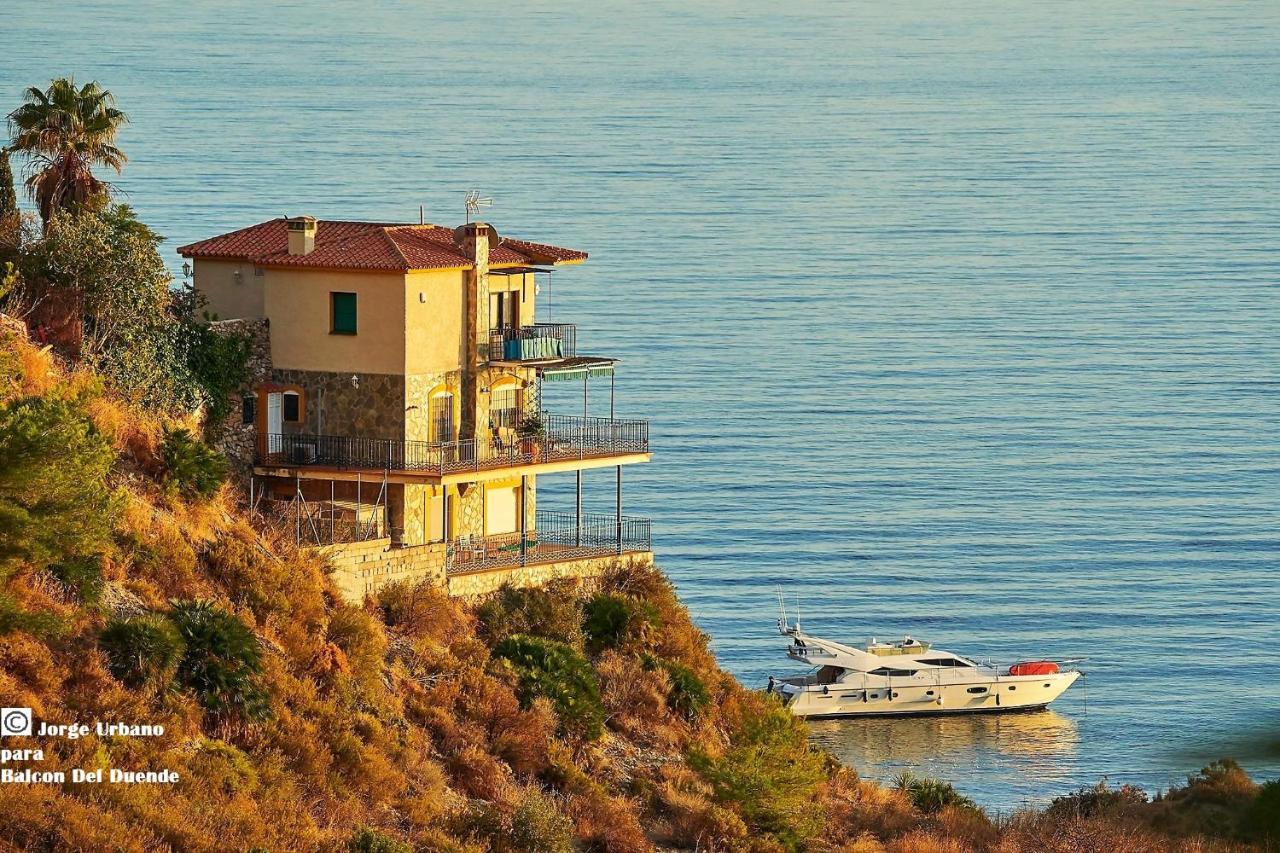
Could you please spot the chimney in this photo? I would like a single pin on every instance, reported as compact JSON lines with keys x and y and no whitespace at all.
{"x":475,"y":239}
{"x":302,"y":234}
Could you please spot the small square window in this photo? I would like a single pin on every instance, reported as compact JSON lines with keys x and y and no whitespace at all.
{"x":342,"y":313}
{"x":248,"y":409}
{"x":292,"y":412}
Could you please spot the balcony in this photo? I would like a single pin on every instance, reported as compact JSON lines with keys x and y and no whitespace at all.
{"x":565,"y":439}
{"x":556,"y":537}
{"x":539,"y":342}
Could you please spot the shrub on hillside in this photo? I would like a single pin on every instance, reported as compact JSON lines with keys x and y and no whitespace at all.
{"x":1099,"y":799}
{"x":371,"y":841}
{"x":688,"y":696}
{"x":222,"y":662}
{"x":55,"y":504}
{"x":535,"y":826}
{"x":14,"y":618}
{"x":142,"y":650}
{"x":110,"y":263}
{"x":422,"y":610}
{"x":551,"y":611}
{"x":1214,"y":802}
{"x":361,"y":639}
{"x":82,"y":574}
{"x":1262,"y":820}
{"x":191,"y":467}
{"x":679,"y":640}
{"x":931,"y":795}
{"x":769,"y":774}
{"x":154,"y":346}
{"x":609,"y":620}
{"x":216,"y":361}
{"x":561,"y":674}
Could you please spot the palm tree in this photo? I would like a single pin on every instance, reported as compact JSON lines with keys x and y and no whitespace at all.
{"x":65,"y":131}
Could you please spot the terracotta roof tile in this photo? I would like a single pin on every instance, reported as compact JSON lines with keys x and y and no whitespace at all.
{"x":368,"y":246}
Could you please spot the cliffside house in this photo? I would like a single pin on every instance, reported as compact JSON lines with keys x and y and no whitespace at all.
{"x":399,"y":419}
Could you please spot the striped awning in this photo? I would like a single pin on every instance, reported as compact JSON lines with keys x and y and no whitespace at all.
{"x":576,"y":368}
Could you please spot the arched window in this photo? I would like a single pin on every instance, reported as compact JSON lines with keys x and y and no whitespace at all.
{"x":441,"y":414}
{"x":504,"y":406}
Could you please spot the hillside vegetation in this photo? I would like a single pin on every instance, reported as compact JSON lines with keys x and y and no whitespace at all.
{"x":134,"y":591}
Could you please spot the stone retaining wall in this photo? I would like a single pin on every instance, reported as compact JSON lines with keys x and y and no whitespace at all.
{"x":586,"y":570}
{"x":360,"y":568}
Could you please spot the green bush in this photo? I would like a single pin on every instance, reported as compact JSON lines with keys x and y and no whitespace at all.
{"x":560,"y":673}
{"x":192,"y":467}
{"x":142,"y":650}
{"x":1095,"y":800}
{"x":931,"y":795}
{"x":769,"y":775}
{"x":550,"y":612}
{"x":688,"y":697}
{"x":14,"y":618}
{"x":83,"y":574}
{"x":371,"y":841}
{"x":112,"y":262}
{"x":610,"y":619}
{"x":537,"y":827}
{"x":216,"y":361}
{"x":222,"y":661}
{"x":1262,"y":820}
{"x":55,"y":504}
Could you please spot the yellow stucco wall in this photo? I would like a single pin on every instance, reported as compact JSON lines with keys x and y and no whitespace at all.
{"x":233,"y":290}
{"x":434,"y":314}
{"x":297,"y":303}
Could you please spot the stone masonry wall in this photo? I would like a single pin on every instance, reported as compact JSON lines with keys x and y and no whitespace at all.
{"x":371,"y":406}
{"x":417,"y":412}
{"x":361,"y":568}
{"x":236,"y":439}
{"x":471,"y":511}
{"x":587,"y":570}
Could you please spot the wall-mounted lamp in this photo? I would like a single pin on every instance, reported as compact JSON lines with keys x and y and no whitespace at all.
{"x":186,"y":269}
{"x":355,"y":381}
{"x":422,"y":296}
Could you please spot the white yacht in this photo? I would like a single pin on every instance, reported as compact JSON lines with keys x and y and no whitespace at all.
{"x":910,"y":677}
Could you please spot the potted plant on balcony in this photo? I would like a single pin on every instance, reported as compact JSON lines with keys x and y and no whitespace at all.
{"x":531,"y":433}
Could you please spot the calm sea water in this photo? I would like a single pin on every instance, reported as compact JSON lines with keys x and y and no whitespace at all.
{"x":958,"y":320}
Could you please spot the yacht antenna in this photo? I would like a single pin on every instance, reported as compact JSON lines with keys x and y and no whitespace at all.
{"x":782,"y":612}
{"x":797,"y":611}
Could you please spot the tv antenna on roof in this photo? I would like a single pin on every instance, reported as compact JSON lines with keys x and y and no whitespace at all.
{"x":475,"y":201}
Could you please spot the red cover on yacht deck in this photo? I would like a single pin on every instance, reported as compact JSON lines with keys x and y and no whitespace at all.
{"x":1035,"y":667}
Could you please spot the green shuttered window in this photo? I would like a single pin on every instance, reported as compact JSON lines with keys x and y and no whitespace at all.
{"x":344,"y":313}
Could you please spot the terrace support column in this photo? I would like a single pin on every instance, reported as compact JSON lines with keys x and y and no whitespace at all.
{"x":524,"y":520}
{"x":297,"y":517}
{"x":474,"y":238}
{"x":618,"y":509}
{"x":577,"y":512}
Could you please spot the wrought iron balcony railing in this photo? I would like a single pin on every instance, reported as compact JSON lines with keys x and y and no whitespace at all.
{"x":535,"y":342}
{"x":555,"y":536}
{"x":563,"y":438}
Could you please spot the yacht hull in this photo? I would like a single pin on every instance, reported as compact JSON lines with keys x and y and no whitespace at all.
{"x":924,"y":697}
